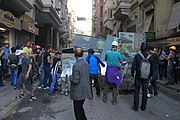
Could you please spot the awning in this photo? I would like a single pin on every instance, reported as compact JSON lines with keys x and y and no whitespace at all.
{"x":174,"y":20}
{"x":147,"y":22}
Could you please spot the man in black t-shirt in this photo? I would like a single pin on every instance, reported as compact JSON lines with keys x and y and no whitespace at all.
{"x":154,"y":60}
{"x":46,"y":66}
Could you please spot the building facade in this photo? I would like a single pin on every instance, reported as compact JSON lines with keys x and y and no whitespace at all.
{"x":97,"y":18}
{"x":72,"y":19}
{"x":40,"y":21}
{"x":154,"y":17}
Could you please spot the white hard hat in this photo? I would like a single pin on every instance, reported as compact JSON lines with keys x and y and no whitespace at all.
{"x":114,"y":43}
{"x":18,"y":52}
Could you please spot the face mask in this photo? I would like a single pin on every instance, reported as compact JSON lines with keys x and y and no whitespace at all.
{"x":7,"y":45}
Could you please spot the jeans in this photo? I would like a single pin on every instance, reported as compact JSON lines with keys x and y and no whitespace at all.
{"x":1,"y":80}
{"x":162,"y":71}
{"x":138,"y":83}
{"x":95,"y":78}
{"x":47,"y":75}
{"x":170,"y":75}
{"x":53,"y":83}
{"x":41,"y":83}
{"x":13,"y":75}
{"x":153,"y":87}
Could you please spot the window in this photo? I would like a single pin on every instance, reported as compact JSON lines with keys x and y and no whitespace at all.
{"x":101,"y":11}
{"x":109,"y":13}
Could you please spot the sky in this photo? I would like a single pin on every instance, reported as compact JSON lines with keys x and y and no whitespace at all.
{"x":83,"y":8}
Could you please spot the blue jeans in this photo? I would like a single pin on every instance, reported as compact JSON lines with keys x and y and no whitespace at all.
{"x":41,"y":84}
{"x":53,"y":83}
{"x":47,"y":75}
{"x":13,"y":75}
{"x":1,"y":80}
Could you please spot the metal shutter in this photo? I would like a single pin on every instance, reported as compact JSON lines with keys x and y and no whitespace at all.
{"x":22,"y":37}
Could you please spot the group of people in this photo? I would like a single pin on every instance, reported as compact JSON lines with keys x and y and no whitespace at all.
{"x":24,"y":61}
{"x":169,"y":65}
{"x":146,"y":67}
{"x":157,"y":61}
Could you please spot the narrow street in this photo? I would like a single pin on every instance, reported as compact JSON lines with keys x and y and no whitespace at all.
{"x":59,"y":107}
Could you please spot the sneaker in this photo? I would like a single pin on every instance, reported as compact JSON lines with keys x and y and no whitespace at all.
{"x":32,"y":98}
{"x":104,"y":99}
{"x":149,"y":95}
{"x":132,"y":108}
{"x":21,"y":96}
{"x":46,"y":88}
{"x":50,"y":93}
{"x":114,"y":102}
{"x":39,"y":87}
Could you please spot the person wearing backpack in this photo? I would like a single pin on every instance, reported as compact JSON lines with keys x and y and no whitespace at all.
{"x":95,"y":69}
{"x":13,"y":62}
{"x":140,"y":74}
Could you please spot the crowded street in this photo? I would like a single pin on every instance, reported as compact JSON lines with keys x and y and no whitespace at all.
{"x":89,"y":59}
{"x":58,"y":106}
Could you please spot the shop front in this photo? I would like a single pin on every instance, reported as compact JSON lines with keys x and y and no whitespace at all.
{"x":28,"y":32}
{"x":174,"y":42}
{"x":8,"y":24}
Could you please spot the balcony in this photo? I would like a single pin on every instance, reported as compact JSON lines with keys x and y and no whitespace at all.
{"x":47,"y":13}
{"x":122,"y":10}
{"x":17,"y":7}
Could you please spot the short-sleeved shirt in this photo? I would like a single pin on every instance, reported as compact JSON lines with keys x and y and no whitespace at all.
{"x":25,"y":64}
{"x":113,"y":58}
{"x":55,"y":65}
{"x":6,"y":52}
{"x":45,"y":61}
{"x":161,"y":55}
{"x":93,"y":64}
{"x":170,"y":61}
{"x":13,"y":59}
{"x":27,"y":50}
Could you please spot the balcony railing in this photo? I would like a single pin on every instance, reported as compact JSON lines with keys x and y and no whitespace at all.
{"x":124,"y":4}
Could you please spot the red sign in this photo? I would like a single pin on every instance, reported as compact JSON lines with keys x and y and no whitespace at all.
{"x":172,"y":40}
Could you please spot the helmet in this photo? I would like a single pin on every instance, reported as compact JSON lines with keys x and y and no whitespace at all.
{"x":6,"y":42}
{"x":172,"y":48}
{"x":36,"y":47}
{"x":114,"y":43}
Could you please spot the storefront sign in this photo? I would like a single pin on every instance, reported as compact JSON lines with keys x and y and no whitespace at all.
{"x":150,"y":36}
{"x":173,"y":40}
{"x":30,"y":27}
{"x":8,"y":19}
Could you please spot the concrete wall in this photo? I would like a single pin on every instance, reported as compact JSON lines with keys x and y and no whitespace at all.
{"x":163,"y":10}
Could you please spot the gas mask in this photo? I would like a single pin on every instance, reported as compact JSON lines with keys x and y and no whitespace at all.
{"x":7,"y":46}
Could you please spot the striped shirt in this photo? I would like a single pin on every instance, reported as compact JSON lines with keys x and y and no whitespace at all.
{"x":56,"y":65}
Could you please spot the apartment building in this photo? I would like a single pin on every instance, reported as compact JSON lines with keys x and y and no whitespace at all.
{"x":97,"y":18}
{"x":52,"y":21}
{"x":158,"y":18}
{"x":41,"y":21}
{"x":72,"y":19}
